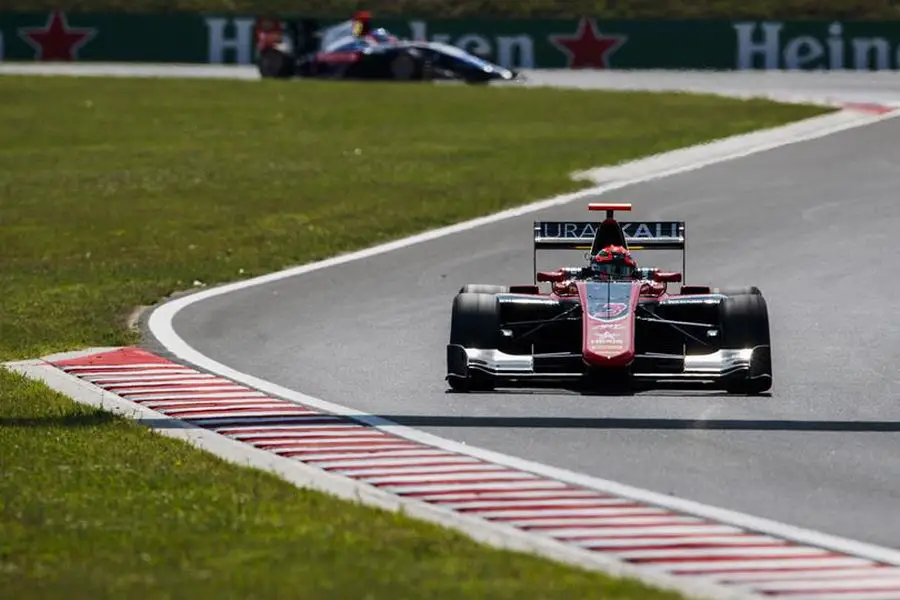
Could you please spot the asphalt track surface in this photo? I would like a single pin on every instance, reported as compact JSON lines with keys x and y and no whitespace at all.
{"x":812,"y":224}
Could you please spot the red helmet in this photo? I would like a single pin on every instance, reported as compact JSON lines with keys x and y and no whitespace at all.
{"x":613,"y":262}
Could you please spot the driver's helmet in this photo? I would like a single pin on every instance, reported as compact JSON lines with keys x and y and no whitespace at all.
{"x":613,"y":262}
{"x":381,"y":35}
{"x":362,"y":23}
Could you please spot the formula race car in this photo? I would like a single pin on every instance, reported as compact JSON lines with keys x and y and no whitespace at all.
{"x":353,"y":50}
{"x":610,"y":324}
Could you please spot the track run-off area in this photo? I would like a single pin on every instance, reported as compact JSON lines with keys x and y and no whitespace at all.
{"x":811,"y":223}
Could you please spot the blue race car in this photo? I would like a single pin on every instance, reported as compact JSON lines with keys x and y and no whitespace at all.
{"x":352,"y":50}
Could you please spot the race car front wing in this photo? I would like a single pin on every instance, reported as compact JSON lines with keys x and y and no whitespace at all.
{"x":518,"y":369}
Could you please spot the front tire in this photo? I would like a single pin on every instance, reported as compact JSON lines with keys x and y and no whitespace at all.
{"x":406,"y":66}
{"x":474,"y":323}
{"x":744,"y":320}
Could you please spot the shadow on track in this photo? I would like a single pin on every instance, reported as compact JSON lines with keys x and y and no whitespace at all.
{"x":644,"y":423}
{"x":420,"y":421}
{"x":597,"y":423}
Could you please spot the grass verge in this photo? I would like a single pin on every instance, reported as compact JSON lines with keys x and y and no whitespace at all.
{"x":114,"y":193}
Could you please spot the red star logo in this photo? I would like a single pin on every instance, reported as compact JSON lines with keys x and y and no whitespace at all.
{"x":588,"y":48}
{"x":56,"y":40}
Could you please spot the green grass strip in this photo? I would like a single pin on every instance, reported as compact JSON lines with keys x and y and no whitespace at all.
{"x":114,"y":193}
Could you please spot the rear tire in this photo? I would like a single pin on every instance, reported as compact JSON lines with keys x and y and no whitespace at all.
{"x":273,"y":63}
{"x":744,"y":319}
{"x":474,"y":323}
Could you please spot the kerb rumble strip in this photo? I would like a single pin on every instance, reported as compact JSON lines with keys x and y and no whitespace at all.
{"x":644,"y":535}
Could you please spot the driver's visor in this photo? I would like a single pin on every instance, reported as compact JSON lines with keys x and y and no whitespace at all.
{"x":614,"y":269}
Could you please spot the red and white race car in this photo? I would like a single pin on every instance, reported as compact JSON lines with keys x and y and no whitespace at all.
{"x":609,"y":322}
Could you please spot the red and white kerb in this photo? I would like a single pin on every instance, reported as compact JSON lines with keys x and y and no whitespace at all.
{"x":635,"y":532}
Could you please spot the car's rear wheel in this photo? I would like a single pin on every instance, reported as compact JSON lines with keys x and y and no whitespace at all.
{"x":474,"y":323}
{"x":744,"y":320}
{"x":274,"y":64}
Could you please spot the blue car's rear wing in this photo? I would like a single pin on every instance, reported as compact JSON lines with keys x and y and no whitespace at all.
{"x":593,"y":236}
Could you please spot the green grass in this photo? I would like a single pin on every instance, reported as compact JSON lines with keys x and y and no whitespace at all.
{"x":114,"y":193}
{"x":607,"y":9}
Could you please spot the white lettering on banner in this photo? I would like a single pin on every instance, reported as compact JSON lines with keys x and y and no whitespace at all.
{"x":862,"y":48}
{"x":418,"y":31}
{"x":762,"y":45}
{"x":802,"y":51}
{"x":513,"y":51}
{"x":748,"y":49}
{"x":241,"y":42}
{"x":836,"y":46}
{"x":521,"y":43}
{"x":474,"y":44}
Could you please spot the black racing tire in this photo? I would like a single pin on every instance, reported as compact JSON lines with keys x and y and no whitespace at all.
{"x":474,"y":323}
{"x":483,"y":288}
{"x":406,"y":66}
{"x":744,"y":323}
{"x":274,"y":64}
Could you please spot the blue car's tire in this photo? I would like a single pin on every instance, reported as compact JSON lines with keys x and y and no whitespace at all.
{"x":273,"y":64}
{"x":405,"y":66}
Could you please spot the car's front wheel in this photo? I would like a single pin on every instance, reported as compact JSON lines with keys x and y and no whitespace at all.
{"x":474,"y":323}
{"x":404,"y":66}
{"x":744,"y":320}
